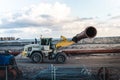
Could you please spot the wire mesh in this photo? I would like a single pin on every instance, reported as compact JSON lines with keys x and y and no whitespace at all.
{"x":10,"y":72}
{"x":78,"y":73}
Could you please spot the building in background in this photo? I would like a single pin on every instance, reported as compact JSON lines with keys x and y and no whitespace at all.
{"x":6,"y":38}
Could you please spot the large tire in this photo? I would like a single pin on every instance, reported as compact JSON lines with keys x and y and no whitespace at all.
{"x":37,"y":57}
{"x":61,"y":58}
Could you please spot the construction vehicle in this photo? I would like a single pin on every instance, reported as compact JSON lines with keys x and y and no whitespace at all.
{"x":46,"y":49}
{"x":8,"y":67}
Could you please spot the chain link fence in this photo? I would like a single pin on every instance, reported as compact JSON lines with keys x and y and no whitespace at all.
{"x":78,"y":73}
{"x":69,"y":73}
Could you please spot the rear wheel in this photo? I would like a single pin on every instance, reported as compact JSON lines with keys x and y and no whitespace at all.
{"x":61,"y":58}
{"x":37,"y":57}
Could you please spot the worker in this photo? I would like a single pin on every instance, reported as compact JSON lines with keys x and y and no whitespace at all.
{"x":35,"y":41}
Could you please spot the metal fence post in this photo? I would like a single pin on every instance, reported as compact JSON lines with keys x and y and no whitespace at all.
{"x":54,"y":73}
{"x":6,"y":73}
{"x":104,"y":73}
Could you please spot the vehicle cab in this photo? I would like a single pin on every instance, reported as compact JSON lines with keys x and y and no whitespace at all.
{"x":44,"y":46}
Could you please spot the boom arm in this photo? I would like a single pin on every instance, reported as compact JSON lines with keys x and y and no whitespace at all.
{"x":89,"y":32}
{"x":64,"y":42}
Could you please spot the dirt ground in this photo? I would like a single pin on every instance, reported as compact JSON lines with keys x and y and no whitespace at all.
{"x":93,"y":61}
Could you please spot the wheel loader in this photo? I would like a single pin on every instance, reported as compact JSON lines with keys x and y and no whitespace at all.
{"x":46,"y":49}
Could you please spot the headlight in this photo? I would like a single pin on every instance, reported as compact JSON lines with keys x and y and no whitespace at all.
{"x":24,"y":53}
{"x":29,"y":48}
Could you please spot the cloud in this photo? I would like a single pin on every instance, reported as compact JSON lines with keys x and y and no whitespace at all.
{"x":13,"y":31}
{"x":35,"y":19}
{"x":40,"y":15}
{"x":53,"y":20}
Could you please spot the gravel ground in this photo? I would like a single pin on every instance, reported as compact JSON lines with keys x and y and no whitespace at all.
{"x":94,"y":62}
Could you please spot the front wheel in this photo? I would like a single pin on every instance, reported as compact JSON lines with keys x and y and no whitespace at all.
{"x":61,"y":58}
{"x":37,"y":57}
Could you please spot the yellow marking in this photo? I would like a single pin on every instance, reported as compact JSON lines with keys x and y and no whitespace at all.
{"x":64,"y":42}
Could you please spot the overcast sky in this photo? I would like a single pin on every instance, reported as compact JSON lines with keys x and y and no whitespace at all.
{"x":53,"y":18}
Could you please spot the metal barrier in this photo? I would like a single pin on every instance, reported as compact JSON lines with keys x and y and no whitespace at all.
{"x":9,"y":72}
{"x":73,"y":73}
{"x":70,"y":73}
{"x":78,"y":73}
{"x":6,"y":72}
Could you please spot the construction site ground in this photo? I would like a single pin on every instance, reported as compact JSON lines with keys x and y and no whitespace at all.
{"x":92,"y":61}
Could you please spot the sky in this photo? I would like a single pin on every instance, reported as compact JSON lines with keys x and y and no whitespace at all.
{"x":53,"y":18}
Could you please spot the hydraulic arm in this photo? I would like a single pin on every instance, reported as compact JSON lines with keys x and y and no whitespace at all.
{"x":89,"y":32}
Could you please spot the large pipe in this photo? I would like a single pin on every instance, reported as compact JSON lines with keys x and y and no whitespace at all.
{"x":81,"y":51}
{"x":89,"y":32}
